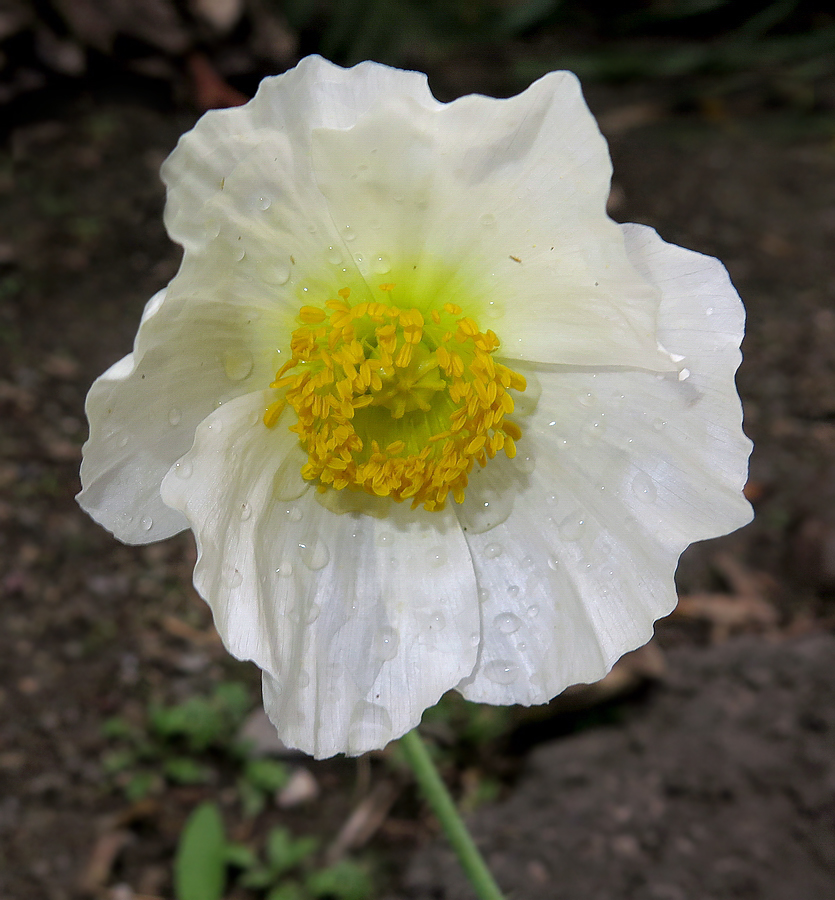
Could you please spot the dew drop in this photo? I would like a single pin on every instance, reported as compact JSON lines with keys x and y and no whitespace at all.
{"x":553,"y":563}
{"x":303,"y":679}
{"x":487,"y":511}
{"x":644,"y":488}
{"x":216,"y":426}
{"x":493,"y":551}
{"x":386,"y":642}
{"x":262,"y":202}
{"x":487,"y":220}
{"x":507,"y":623}
{"x":277,"y":273}
{"x":289,"y":485}
{"x":592,"y":432}
{"x":571,"y":528}
{"x":146,"y":523}
{"x":513,"y":591}
{"x":237,"y":364}
{"x":315,"y":555}
{"x":310,"y":614}
{"x":709,"y":311}
{"x":348,"y":233}
{"x":183,"y":469}
{"x":174,"y":416}
{"x":333,"y":256}
{"x":438,"y":557}
{"x":238,"y":253}
{"x":533,"y":612}
{"x":475,"y":639}
{"x":380,"y":265}
{"x":370,"y":727}
{"x":587,"y":398}
{"x":285,"y":570}
{"x":293,"y":513}
{"x":684,"y":374}
{"x":123,"y":441}
{"x":525,"y":464}
{"x":437,"y":621}
{"x":236,"y":580}
{"x":384,"y":539}
{"x":246,"y":511}
{"x":501,"y":671}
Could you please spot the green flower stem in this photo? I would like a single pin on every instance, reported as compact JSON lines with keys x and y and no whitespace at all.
{"x":456,"y":831}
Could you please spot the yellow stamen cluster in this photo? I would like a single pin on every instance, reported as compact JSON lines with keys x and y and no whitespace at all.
{"x":393,"y":402}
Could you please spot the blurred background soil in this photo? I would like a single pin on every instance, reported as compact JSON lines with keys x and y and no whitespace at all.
{"x":703,"y":767}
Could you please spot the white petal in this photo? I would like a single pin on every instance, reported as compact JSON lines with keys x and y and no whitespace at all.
{"x":506,"y":200}
{"x":358,"y":623}
{"x":189,"y":356}
{"x":623,"y":470}
{"x":314,"y":94}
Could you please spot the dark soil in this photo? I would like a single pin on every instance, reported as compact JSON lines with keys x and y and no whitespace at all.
{"x":717,"y":784}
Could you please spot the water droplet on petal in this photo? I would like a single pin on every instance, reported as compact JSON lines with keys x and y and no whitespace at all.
{"x":659,"y":424}
{"x":493,"y":551}
{"x":488,"y":509}
{"x":525,"y":464}
{"x":475,"y":639}
{"x":276,"y":273}
{"x":236,"y":580}
{"x":310,"y":614}
{"x":370,"y":727}
{"x":289,"y":485}
{"x":285,"y":570}
{"x":237,"y":364}
{"x":587,"y":398}
{"x":501,"y":671}
{"x":533,"y":612}
{"x":174,"y":416}
{"x":507,"y":622}
{"x":246,"y":511}
{"x":437,"y":621}
{"x":644,"y":488}
{"x":262,"y":201}
{"x":333,"y":255}
{"x":553,"y":563}
{"x":183,"y":468}
{"x":386,"y":643}
{"x":487,"y":220}
{"x":384,"y":539}
{"x":146,"y":523}
{"x":513,"y":591}
{"x":238,"y":252}
{"x":380,"y":264}
{"x":348,"y":233}
{"x":571,"y":528}
{"x":438,"y":557}
{"x":303,"y":679}
{"x":293,"y":513}
{"x":315,"y":554}
{"x":684,"y":374}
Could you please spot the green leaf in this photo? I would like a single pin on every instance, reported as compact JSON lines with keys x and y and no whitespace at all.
{"x":140,"y":785}
{"x":200,"y":864}
{"x":284,"y":852}
{"x":345,"y":881}
{"x":184,"y":770}
{"x":240,"y":856}
{"x":267,"y":774}
{"x":288,"y":890}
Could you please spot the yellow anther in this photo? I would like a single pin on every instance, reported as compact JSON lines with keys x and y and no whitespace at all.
{"x":383,"y":405}
{"x":312,"y":315}
{"x":273,"y":413}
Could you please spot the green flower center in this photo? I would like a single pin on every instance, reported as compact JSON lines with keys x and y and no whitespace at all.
{"x":395,"y":402}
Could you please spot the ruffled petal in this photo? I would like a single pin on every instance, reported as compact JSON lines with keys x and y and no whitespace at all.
{"x":358,"y":623}
{"x":314,"y":94}
{"x":501,"y":202}
{"x":190,"y":355}
{"x":622,"y":471}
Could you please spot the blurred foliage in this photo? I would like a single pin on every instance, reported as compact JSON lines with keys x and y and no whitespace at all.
{"x":286,"y":870}
{"x":185,"y":742}
{"x":597,"y":39}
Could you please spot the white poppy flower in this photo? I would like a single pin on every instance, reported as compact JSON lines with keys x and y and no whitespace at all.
{"x":435,"y":420}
